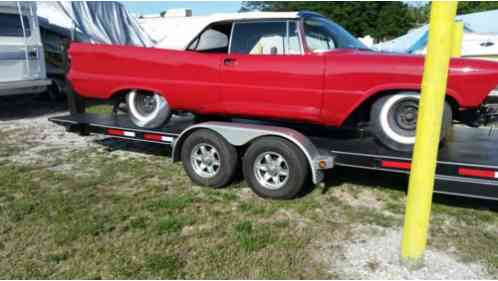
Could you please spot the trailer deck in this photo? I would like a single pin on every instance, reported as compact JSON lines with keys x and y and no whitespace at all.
{"x":467,"y":163}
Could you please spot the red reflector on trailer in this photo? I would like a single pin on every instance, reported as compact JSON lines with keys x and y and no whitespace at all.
{"x":396,"y":164}
{"x":153,"y":137}
{"x":115,"y":132}
{"x":477,"y":173}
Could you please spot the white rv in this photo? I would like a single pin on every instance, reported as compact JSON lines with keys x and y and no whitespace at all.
{"x":22,"y":62}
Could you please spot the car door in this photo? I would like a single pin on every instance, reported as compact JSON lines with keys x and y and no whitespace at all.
{"x":266,"y":73}
{"x":194,"y":74}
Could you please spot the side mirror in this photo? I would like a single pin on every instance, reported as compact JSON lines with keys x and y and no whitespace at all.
{"x":274,"y":51}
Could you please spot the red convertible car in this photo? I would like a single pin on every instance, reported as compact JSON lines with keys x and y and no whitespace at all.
{"x":299,"y":67}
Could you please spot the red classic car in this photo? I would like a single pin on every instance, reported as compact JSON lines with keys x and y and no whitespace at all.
{"x":298,"y":67}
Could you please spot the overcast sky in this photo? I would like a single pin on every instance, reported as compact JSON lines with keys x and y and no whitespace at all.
{"x":199,"y":8}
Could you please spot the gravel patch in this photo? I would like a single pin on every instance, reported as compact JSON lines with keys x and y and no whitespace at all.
{"x":42,"y":142}
{"x":374,"y":253}
{"x":365,"y":198}
{"x":34,"y":140}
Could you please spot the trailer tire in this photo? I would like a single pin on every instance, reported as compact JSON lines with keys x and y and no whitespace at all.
{"x":209,"y":159}
{"x":393,"y":119}
{"x":147,"y":110}
{"x":275,"y":168}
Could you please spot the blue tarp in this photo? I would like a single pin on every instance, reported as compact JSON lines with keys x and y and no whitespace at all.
{"x":416,"y":39}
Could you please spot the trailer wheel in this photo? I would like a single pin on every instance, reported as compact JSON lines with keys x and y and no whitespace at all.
{"x":209,"y":159}
{"x":275,"y":168}
{"x":394,"y":120}
{"x":147,"y":110}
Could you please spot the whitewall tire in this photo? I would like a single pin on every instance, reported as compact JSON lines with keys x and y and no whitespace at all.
{"x":394,"y":120}
{"x":147,"y":110}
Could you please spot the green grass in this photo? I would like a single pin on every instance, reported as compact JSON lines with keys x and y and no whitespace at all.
{"x":173,"y":203}
{"x":141,"y":218}
{"x":169,"y":266}
{"x":99,"y":109}
{"x":252,"y":239}
{"x":119,"y":223}
{"x":173,"y":224}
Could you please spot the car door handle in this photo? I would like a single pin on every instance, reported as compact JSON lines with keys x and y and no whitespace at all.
{"x":229,"y":61}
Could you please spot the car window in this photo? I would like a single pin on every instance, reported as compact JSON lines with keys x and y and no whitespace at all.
{"x":215,"y":38}
{"x":212,"y":39}
{"x":322,"y":35}
{"x":259,"y":38}
{"x":317,"y":36}
{"x":10,"y":25}
{"x":293,"y":42}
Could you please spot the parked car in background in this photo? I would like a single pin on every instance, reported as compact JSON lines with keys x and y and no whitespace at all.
{"x":476,"y":46}
{"x":22,"y":61}
{"x":298,"y":67}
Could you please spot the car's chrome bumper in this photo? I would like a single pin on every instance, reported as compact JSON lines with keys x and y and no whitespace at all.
{"x":492,"y":97}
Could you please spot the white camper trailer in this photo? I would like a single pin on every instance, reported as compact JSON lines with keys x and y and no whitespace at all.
{"x":22,"y":61}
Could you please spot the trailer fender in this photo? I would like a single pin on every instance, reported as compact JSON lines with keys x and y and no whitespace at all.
{"x":241,"y":134}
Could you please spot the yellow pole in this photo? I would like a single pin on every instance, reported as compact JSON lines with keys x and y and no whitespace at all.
{"x":456,"y":50}
{"x":421,"y":184}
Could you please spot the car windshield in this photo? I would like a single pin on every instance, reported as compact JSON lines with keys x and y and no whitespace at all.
{"x":324,"y":35}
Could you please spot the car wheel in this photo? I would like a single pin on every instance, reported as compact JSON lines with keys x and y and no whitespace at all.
{"x":275,"y":168}
{"x":209,"y":159}
{"x":147,"y":110}
{"x":394,"y":120}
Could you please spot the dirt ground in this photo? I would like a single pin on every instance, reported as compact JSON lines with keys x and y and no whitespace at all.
{"x":94,"y":207}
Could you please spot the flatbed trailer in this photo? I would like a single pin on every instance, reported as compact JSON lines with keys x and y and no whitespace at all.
{"x":467,"y":163}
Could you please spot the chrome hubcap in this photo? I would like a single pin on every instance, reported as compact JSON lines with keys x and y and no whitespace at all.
{"x":406,"y":115}
{"x":271,"y":170}
{"x":205,"y":160}
{"x":146,"y":103}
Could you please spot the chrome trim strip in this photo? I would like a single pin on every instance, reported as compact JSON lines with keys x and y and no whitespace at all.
{"x":231,"y":37}
{"x":287,"y":41}
{"x":493,"y":93}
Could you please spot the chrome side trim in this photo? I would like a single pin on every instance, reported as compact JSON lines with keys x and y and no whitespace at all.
{"x":231,"y":38}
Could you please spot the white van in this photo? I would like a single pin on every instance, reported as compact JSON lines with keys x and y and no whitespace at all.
{"x":22,"y":61}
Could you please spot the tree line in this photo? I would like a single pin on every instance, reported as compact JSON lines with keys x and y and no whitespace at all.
{"x":381,"y":20}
